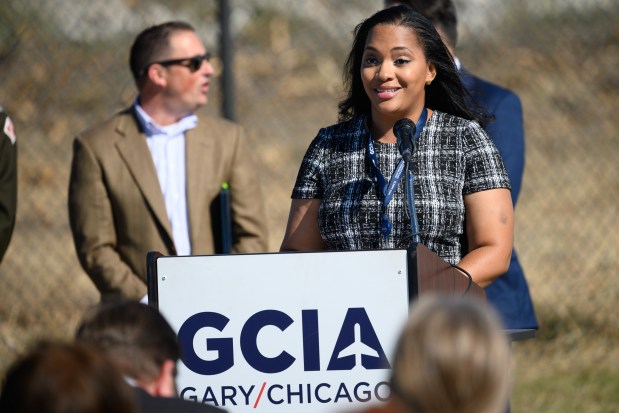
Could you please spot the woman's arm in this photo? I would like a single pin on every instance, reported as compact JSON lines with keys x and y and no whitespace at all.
{"x":302,"y":233}
{"x":490,"y":234}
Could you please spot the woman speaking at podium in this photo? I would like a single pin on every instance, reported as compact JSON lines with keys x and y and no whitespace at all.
{"x":350,"y":192}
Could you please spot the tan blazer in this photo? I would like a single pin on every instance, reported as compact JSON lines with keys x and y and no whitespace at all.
{"x":117,"y":211}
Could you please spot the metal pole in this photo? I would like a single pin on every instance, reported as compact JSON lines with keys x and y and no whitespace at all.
{"x":227,"y":54}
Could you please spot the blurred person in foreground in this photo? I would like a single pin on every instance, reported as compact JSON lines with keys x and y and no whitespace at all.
{"x":145,"y":179}
{"x":65,"y":378}
{"x":509,"y":293}
{"x":140,"y":341}
{"x":399,"y":68}
{"x":452,"y":357}
{"x":8,"y":181}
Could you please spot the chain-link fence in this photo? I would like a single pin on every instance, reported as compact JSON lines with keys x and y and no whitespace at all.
{"x":63,"y":67}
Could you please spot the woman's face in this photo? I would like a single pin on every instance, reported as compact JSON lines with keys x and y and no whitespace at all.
{"x":394,"y":71}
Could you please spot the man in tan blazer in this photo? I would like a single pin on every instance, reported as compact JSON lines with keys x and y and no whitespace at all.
{"x":145,"y":179}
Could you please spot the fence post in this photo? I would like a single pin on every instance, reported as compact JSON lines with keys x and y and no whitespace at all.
{"x":227,"y":54}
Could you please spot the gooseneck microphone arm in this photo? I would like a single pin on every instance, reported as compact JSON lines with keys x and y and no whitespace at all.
{"x":404,"y":131}
{"x":410,"y":201}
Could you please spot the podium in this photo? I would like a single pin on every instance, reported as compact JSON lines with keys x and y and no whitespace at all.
{"x":295,"y":331}
{"x":280,"y":332}
{"x":429,"y":273}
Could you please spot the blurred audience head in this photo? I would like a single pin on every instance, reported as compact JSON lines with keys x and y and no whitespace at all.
{"x":139,"y":340}
{"x":65,"y":378}
{"x":452,"y":357}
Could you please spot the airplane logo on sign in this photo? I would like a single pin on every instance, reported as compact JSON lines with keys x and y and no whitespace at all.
{"x":358,"y":349}
{"x":358,"y":345}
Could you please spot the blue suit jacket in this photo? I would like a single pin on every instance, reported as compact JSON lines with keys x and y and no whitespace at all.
{"x":509,"y":293}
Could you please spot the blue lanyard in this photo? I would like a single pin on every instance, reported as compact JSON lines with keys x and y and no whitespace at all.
{"x":396,"y":176}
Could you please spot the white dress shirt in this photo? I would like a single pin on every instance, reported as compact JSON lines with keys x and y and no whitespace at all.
{"x":167,"y":147}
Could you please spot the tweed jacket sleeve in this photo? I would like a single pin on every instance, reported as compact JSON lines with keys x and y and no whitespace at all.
{"x":94,"y":232}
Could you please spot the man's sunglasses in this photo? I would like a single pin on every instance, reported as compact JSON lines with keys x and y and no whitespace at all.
{"x":192,"y":63}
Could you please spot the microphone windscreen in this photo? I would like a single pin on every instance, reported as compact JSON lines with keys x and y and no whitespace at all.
{"x":404,"y":131}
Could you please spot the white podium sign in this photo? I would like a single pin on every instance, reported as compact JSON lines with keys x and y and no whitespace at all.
{"x":288,"y":332}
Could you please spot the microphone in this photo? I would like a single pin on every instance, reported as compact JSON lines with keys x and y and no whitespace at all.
{"x":404,"y":131}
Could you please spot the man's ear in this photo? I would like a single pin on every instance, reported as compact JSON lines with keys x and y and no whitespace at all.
{"x":157,"y":75}
{"x":165,"y":385}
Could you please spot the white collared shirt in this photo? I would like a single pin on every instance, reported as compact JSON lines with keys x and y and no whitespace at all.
{"x":167,"y":148}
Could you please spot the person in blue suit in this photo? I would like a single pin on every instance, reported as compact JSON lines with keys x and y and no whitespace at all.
{"x":509,"y":293}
